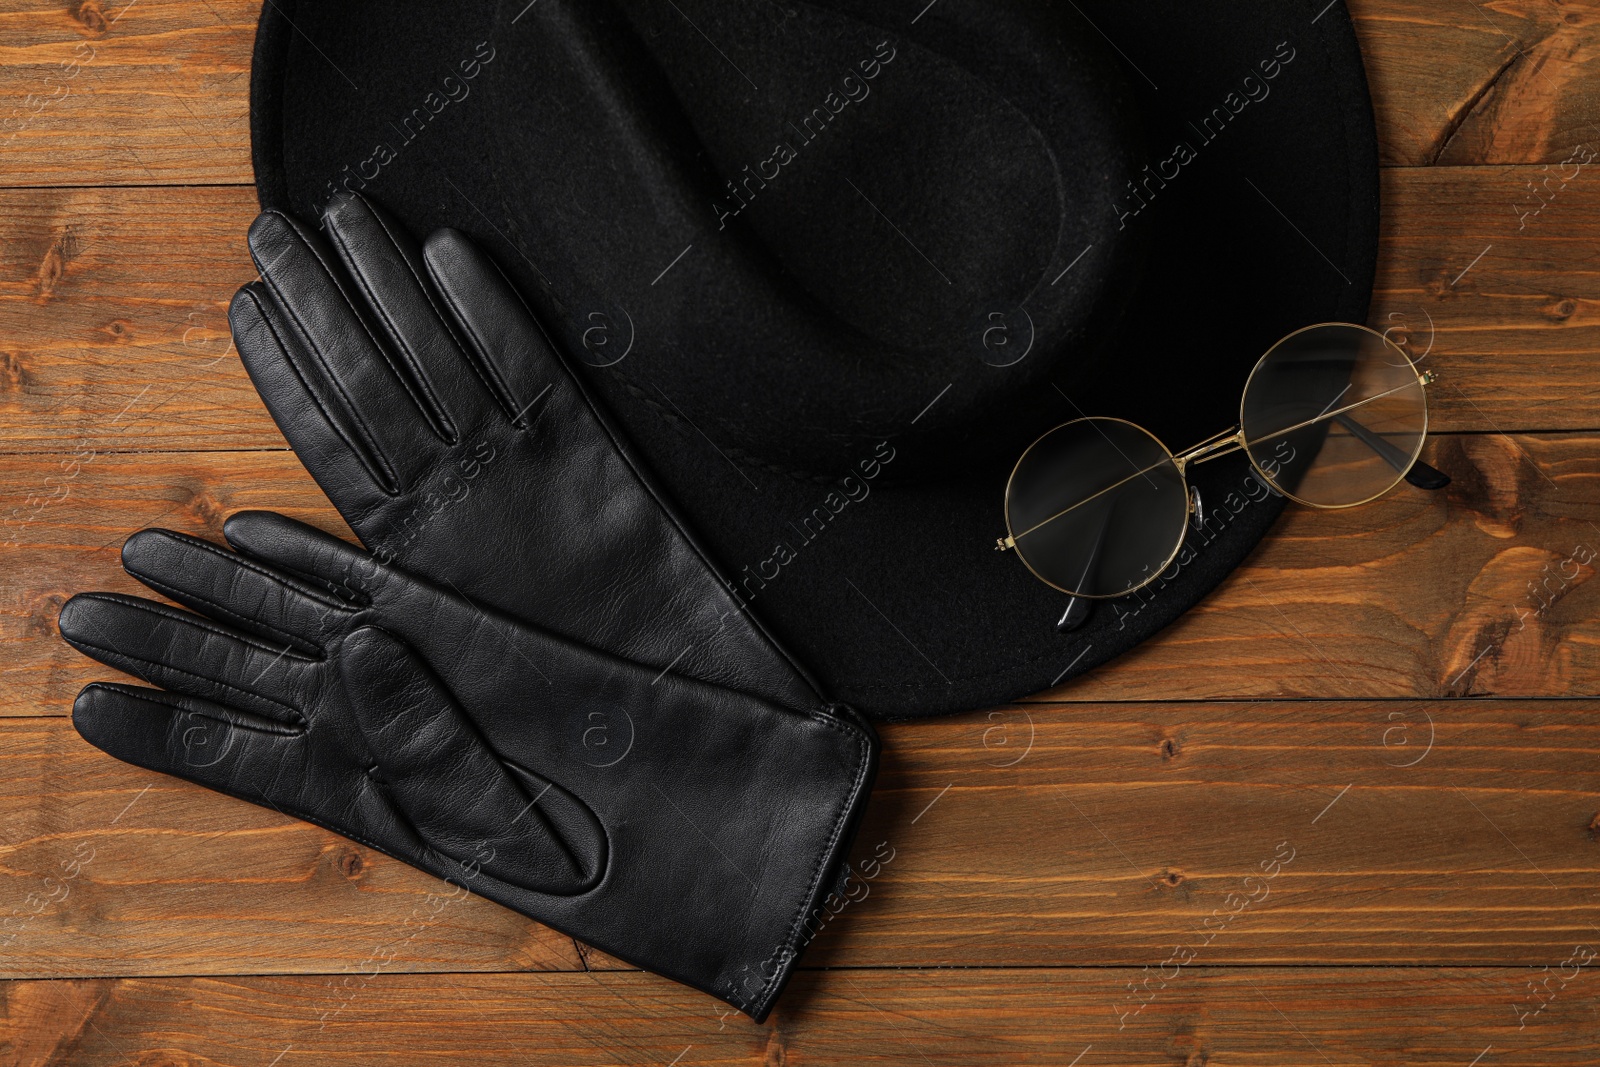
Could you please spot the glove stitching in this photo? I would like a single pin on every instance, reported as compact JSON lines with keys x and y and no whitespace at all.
{"x":429,"y":404}
{"x":260,"y":795}
{"x":646,"y":485}
{"x":175,"y":702}
{"x":185,"y":618}
{"x":322,"y":409}
{"x":478,"y":358}
{"x":119,"y":654}
{"x":428,"y":294}
{"x":355,"y":412}
{"x":602,"y":424}
{"x":183,"y":594}
{"x":863,"y":750}
{"x":333,"y":596}
{"x":423,"y":856}
{"x":239,"y":559}
{"x":355,"y":836}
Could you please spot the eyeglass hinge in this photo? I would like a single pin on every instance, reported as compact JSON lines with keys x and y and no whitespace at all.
{"x":1004,"y":544}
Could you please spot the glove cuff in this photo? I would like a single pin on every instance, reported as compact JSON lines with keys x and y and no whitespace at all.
{"x":755,"y":985}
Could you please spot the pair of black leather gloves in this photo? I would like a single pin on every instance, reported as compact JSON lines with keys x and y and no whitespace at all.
{"x":533,"y":683}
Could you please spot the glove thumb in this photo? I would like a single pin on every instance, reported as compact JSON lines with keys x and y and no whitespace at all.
{"x":459,"y":797}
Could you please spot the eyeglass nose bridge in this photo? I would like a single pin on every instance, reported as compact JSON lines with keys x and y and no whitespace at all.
{"x":1224,"y":444}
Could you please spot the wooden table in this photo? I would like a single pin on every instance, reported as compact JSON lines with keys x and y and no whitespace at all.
{"x":1390,"y":717}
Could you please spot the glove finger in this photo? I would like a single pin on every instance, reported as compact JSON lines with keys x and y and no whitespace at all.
{"x":323,"y":326}
{"x":385,"y":265}
{"x":233,"y":589}
{"x":194,"y":739}
{"x":509,"y":344}
{"x":305,"y":552}
{"x":305,"y":405}
{"x":457,"y":794}
{"x":186,"y":653}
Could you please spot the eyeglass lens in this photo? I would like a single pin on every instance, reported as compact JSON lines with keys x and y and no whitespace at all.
{"x":1334,"y":415}
{"x":1097,"y":507}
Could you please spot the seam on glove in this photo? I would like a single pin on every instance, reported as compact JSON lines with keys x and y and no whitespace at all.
{"x":174,"y":702}
{"x":355,"y":412}
{"x":240,"y":559}
{"x":322,"y":409}
{"x":478,"y":359}
{"x":294,"y":713}
{"x":184,"y":594}
{"x":623,"y":450}
{"x":257,"y":798}
{"x":187,"y":618}
{"x":863,"y":763}
{"x":431,"y":407}
{"x":444,"y":320}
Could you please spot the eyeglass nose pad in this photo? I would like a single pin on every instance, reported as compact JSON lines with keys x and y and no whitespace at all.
{"x":1197,"y":508}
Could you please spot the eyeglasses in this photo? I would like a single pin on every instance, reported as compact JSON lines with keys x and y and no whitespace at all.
{"x":1333,"y":416}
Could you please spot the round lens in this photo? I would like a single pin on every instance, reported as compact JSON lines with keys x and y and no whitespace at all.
{"x":1334,"y":415}
{"x":1097,"y":508}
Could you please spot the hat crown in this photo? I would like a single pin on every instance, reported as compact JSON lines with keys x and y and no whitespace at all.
{"x":886,"y":217}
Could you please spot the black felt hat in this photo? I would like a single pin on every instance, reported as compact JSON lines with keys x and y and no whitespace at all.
{"x":834,"y":264}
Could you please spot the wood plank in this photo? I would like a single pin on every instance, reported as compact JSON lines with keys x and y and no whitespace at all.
{"x":1496,"y":293}
{"x":1090,"y":835}
{"x":120,"y":870}
{"x":1485,"y":589}
{"x":1512,"y":81}
{"x":125,"y":92}
{"x":1109,"y":834}
{"x":156,"y":92}
{"x":113,"y":310}
{"x":114,"y":320}
{"x":1265,"y":1018}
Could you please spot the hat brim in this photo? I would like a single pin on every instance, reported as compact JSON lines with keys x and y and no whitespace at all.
{"x":892,"y":593}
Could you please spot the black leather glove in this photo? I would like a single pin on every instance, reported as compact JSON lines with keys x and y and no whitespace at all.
{"x":429,"y":405}
{"x":336,"y":688}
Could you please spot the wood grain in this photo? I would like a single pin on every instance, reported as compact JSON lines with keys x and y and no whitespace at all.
{"x":156,"y":92}
{"x":1261,"y":1017}
{"x":1513,"y":81}
{"x":1483,"y":590}
{"x":125,"y":92}
{"x":1496,"y":288}
{"x":114,"y":320}
{"x":1091,"y":835}
{"x":110,"y":869}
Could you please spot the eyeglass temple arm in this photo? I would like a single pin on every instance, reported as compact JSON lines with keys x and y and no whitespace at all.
{"x":1081,"y":609}
{"x":1418,"y":474}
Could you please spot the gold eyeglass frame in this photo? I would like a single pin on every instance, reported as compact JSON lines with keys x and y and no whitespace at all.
{"x":1225,"y":443}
